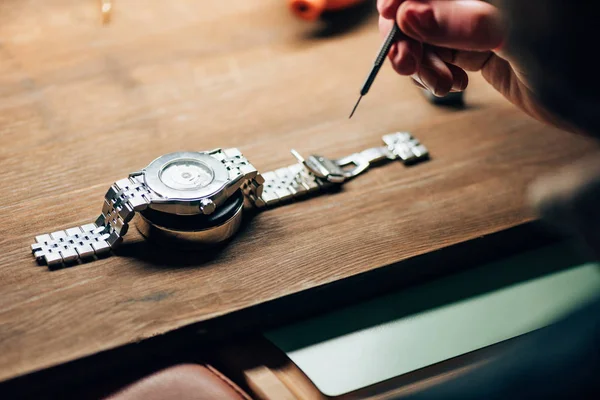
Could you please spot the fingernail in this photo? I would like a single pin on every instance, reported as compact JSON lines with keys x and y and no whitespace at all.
{"x":417,"y":82}
{"x":458,"y":86}
{"x":429,"y":79}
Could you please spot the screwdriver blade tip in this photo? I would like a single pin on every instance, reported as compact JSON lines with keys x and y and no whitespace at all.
{"x":355,"y":107}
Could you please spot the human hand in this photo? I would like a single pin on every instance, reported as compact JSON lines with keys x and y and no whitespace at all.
{"x":444,"y":38}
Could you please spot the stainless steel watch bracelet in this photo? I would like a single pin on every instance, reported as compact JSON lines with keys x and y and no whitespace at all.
{"x":129,"y":195}
{"x":238,"y":165}
{"x":121,"y":201}
{"x":318,"y":173}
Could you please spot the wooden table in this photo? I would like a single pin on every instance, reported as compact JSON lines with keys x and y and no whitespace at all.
{"x":82,"y":105}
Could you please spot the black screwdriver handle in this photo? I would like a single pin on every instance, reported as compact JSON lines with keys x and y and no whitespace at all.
{"x":383,"y":52}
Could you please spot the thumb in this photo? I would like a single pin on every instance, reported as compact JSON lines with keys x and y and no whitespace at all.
{"x":461,"y":24}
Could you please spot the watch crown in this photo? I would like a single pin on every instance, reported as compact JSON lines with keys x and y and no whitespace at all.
{"x":207,"y":206}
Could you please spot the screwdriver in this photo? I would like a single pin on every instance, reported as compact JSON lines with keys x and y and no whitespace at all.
{"x":383,"y":52}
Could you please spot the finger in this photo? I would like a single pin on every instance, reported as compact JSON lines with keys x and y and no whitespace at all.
{"x":467,"y":60}
{"x":387,"y":8}
{"x":405,"y":56}
{"x":464,"y":25}
{"x":418,"y":84}
{"x":471,"y":60}
{"x":385,"y":25}
{"x":460,"y":79}
{"x":405,"y":53}
{"x":434,"y":74}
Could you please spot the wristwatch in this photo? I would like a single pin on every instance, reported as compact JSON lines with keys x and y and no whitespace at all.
{"x":198,"y":198}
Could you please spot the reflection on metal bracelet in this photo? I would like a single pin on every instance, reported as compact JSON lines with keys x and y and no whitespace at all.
{"x":129,"y":195}
{"x":317,"y":172}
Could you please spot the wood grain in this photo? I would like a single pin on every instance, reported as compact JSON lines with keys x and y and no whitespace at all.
{"x":82,"y":105}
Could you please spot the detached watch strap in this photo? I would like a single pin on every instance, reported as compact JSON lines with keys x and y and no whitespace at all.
{"x":318,"y":173}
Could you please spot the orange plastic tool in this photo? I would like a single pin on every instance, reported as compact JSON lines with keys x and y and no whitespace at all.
{"x":310,"y":10}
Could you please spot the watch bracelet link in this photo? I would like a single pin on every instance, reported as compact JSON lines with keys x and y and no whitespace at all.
{"x":286,"y":183}
{"x":238,"y":165}
{"x":121,"y":201}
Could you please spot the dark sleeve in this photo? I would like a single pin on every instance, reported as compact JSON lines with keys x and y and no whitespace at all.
{"x":558,"y":361}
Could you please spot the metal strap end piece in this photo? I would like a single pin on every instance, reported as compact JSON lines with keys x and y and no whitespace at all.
{"x":70,"y":245}
{"x":406,"y":147}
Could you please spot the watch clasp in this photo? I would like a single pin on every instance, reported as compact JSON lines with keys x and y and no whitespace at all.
{"x":334,"y":171}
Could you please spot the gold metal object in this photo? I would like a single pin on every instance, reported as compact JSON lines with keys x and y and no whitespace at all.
{"x":106,"y":9}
